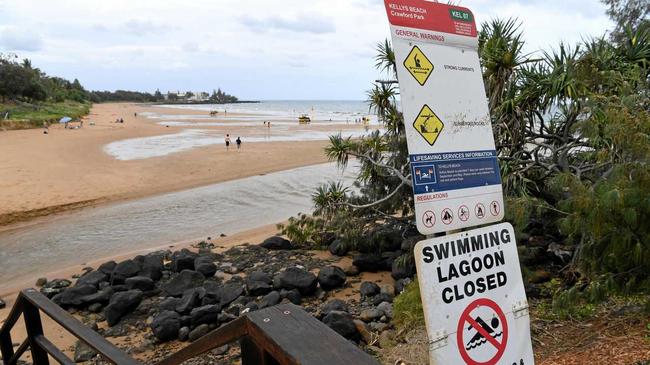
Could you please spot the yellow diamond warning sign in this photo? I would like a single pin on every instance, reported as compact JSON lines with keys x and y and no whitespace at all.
{"x":428,"y":124}
{"x":418,"y":65}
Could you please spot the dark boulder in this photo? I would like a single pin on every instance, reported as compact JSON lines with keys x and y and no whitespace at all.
{"x":367,"y":262}
{"x":183,"y":260}
{"x":402,"y":269}
{"x":292,"y":295}
{"x":83,"y":352}
{"x":334,"y":305}
{"x":342,"y":323}
{"x":331,"y":277}
{"x":230,"y":291}
{"x":382,"y":297}
{"x":338,"y":247}
{"x":369,"y":289}
{"x":199,"y":332}
{"x":187,"y":279}
{"x":121,"y":304}
{"x":295,"y":278}
{"x":74,"y":296}
{"x":270,"y":299}
{"x":208,"y":314}
{"x":107,"y":267}
{"x":140,"y":282}
{"x":277,"y":243}
{"x":124,"y":270}
{"x":169,"y":304}
{"x":152,"y":266}
{"x":191,"y":299}
{"x":165,"y":326}
{"x":205,"y":265}
{"x":101,"y":297}
{"x":259,"y":283}
{"x":401,"y":284}
{"x":92,"y":278}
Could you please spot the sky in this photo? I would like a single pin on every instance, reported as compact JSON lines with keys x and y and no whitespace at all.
{"x":254,"y":49}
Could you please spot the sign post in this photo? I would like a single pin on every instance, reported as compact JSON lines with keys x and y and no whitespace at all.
{"x":456,"y":181}
{"x":472,"y":291}
{"x":473,"y":298}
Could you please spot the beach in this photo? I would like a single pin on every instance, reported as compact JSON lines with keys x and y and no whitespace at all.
{"x":71,"y":168}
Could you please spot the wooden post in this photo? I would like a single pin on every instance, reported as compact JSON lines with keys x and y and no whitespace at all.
{"x":251,"y":354}
{"x":35,"y":328}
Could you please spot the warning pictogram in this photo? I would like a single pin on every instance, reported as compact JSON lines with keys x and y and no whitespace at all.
{"x":418,"y":65}
{"x":482,"y":333}
{"x":495,"y":208}
{"x":428,"y":124}
{"x":429,"y":219}
{"x":480,"y":211}
{"x":447,"y":216}
{"x":463,"y":213}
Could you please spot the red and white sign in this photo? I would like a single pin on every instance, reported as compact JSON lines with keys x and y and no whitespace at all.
{"x":473,"y":297}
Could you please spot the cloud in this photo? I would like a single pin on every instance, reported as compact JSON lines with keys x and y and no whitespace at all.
{"x":302,"y":23}
{"x":14,"y":39}
{"x":142,"y":27}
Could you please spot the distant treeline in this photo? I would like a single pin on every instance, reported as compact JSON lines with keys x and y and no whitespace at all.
{"x":21,"y":82}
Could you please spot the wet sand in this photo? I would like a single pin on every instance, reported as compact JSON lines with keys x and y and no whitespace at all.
{"x":68,"y":169}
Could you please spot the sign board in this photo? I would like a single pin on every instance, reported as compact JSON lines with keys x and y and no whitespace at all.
{"x":473,"y":297}
{"x":454,"y":168}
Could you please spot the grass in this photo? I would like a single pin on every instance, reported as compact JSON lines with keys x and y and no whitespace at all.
{"x":25,"y":115}
{"x":407,"y":307}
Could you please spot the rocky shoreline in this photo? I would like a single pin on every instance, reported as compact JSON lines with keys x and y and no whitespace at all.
{"x":153,"y":304}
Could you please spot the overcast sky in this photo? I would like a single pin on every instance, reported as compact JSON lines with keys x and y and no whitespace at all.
{"x":254,"y":49}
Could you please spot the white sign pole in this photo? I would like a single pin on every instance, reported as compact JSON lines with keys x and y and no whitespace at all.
{"x":456,"y":181}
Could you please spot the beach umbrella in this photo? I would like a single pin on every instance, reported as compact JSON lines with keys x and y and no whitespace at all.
{"x":65,"y":120}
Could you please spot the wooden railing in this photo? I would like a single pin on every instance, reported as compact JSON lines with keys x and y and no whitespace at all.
{"x":284,"y":334}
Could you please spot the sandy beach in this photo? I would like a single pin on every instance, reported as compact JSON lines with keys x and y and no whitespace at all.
{"x":70,"y":168}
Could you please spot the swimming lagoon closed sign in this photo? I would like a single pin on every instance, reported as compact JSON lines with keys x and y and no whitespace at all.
{"x":456,"y":180}
{"x":473,"y":296}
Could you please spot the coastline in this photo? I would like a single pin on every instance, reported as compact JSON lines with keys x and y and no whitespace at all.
{"x":71,"y":171}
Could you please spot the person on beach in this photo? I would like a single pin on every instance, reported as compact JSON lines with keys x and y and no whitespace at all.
{"x":238,"y":141}
{"x":227,"y":142}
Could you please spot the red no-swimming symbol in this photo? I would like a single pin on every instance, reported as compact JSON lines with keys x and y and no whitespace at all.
{"x":482,"y":333}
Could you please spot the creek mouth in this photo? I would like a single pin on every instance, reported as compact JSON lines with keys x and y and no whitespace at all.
{"x":110,"y":230}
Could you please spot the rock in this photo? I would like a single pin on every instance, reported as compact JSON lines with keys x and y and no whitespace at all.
{"x":169,"y":304}
{"x":73,"y":297}
{"x":124,"y":270}
{"x":121,"y":304}
{"x":351,"y":270}
{"x":184,"y":333}
{"x":292,"y":295}
{"x":382,"y":297}
{"x":334,"y":305}
{"x":55,"y":287}
{"x":166,"y":326}
{"x":152,"y":266}
{"x":371,"y":314}
{"x":142,"y":283}
{"x":83,"y":352}
{"x":401,"y":269}
{"x":183,"y":260}
{"x":187,"y":279}
{"x":295,"y":278}
{"x":199,"y":332}
{"x":331,"y":277}
{"x":386,"y":308}
{"x":229,"y":292}
{"x":388,"y":289}
{"x":401,"y":284}
{"x":206,"y":314}
{"x":107,"y":267}
{"x":221,"y":350}
{"x":3,"y":304}
{"x":338,"y":248}
{"x":102,"y":297}
{"x":369,"y":289}
{"x":95,"y":308}
{"x":276,"y":243}
{"x":226,"y":317}
{"x":270,"y":299}
{"x":208,"y":269}
{"x":191,"y":299}
{"x":559,"y":252}
{"x":92,"y":278}
{"x":367,"y":262}
{"x":342,"y":323}
{"x":362,"y":328}
{"x":41,"y":281}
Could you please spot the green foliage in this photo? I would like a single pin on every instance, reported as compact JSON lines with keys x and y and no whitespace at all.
{"x":407,"y":307}
{"x":26,"y":115}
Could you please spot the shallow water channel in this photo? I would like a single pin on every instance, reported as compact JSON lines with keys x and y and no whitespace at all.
{"x":227,"y":207}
